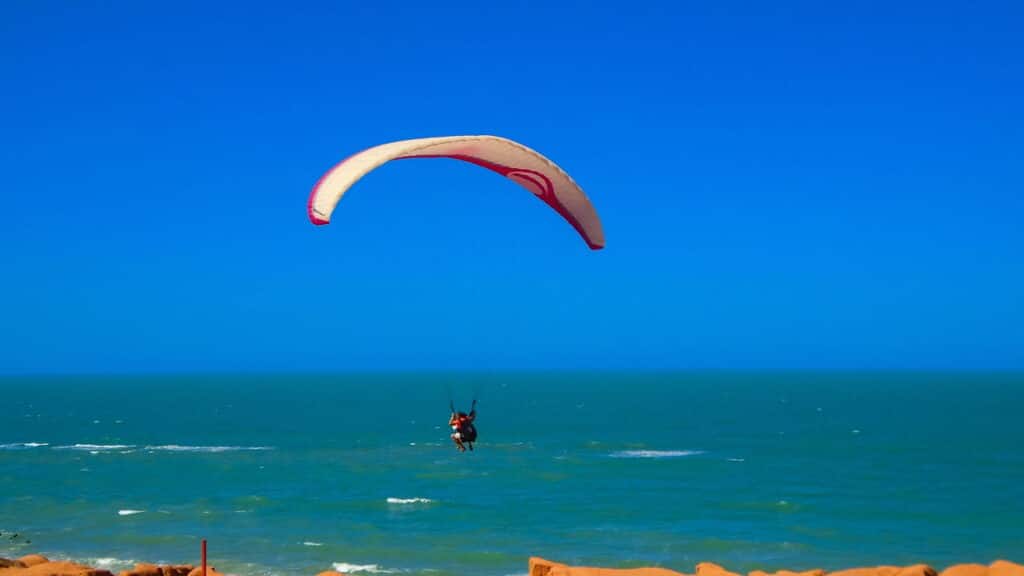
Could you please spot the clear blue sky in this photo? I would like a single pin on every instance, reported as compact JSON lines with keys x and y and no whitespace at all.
{"x":783,"y":185}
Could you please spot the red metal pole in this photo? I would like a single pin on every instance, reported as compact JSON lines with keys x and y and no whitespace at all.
{"x":204,"y":556}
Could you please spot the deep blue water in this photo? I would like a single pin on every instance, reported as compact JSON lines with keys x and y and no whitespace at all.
{"x":296,"y":474}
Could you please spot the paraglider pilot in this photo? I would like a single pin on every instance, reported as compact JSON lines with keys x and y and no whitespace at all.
{"x":463,"y":430}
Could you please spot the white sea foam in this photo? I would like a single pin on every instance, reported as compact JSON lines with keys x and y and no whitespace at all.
{"x":409,"y":501}
{"x":180,"y":448}
{"x":736,"y":459}
{"x":312,"y":543}
{"x":95,"y":447}
{"x":655,"y":453}
{"x":22,"y":445}
{"x":129,"y":512}
{"x":346,"y":568}
{"x":112,"y":564}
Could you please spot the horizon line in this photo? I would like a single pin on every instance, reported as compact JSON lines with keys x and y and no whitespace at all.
{"x":504,"y":371}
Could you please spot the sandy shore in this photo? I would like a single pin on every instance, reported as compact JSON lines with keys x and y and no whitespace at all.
{"x":36,"y":565}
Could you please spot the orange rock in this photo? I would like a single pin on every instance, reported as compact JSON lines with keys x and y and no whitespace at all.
{"x":712,"y":569}
{"x":966,"y":570}
{"x":876,"y":571}
{"x":815,"y":572}
{"x":143,"y":569}
{"x":542,"y":567}
{"x":60,"y":569}
{"x":33,"y":559}
{"x":5,"y":563}
{"x":917,"y":570}
{"x":1004,"y":568}
{"x":176,"y":569}
{"x":210,"y":571}
{"x":330,"y":573}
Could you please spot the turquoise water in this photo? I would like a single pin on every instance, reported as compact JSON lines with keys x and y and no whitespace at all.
{"x":298,"y":474}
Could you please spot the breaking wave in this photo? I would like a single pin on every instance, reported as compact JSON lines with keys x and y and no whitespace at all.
{"x":655,"y":453}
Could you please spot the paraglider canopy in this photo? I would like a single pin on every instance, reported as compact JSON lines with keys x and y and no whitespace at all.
{"x":512,"y":160}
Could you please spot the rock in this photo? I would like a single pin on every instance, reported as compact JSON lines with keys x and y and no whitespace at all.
{"x":876,"y":571}
{"x":33,"y":559}
{"x":176,"y":569}
{"x":1004,"y":568}
{"x":330,"y":573}
{"x":917,"y":570}
{"x":542,"y":567}
{"x":815,"y":572}
{"x":143,"y":569}
{"x":210,"y":571}
{"x":61,"y":569}
{"x":966,"y":570}
{"x":5,"y":563}
{"x":711,"y":569}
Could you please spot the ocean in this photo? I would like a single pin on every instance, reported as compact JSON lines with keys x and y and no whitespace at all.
{"x":298,"y":474}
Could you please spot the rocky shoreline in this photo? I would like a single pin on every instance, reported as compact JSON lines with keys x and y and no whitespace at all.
{"x":36,"y":565}
{"x":542,"y":567}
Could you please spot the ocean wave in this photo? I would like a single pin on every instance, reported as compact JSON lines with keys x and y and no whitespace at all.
{"x":95,"y":447}
{"x":410,"y":501}
{"x":346,"y":568}
{"x":129,"y":512}
{"x":655,"y":453}
{"x":22,"y":445}
{"x":211,"y":449}
{"x":312,"y":543}
{"x":736,"y":459}
{"x":112,"y":564}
